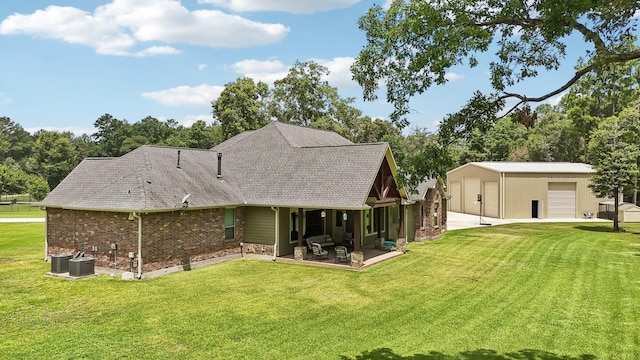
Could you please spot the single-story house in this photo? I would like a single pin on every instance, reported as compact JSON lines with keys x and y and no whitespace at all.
{"x":260,"y":192}
{"x":519,"y":190}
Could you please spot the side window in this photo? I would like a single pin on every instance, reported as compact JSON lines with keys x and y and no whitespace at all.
{"x":435,"y":214}
{"x":229,"y":224}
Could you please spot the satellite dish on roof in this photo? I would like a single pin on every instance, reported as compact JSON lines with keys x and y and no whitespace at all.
{"x":185,"y":198}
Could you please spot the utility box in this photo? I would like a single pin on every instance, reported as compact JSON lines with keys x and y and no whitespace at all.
{"x":60,"y":263}
{"x":82,"y":266}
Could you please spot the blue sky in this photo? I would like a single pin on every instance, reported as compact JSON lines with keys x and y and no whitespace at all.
{"x":65,"y":65}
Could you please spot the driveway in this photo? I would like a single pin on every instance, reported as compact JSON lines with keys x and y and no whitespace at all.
{"x":457,"y":220}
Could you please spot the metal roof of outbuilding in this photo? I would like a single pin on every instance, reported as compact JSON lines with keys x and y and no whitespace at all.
{"x":532,"y":167}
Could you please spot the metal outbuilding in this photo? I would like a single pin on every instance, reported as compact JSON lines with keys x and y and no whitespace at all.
{"x":520,"y":190}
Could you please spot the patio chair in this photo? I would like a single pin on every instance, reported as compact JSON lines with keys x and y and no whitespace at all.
{"x":342,"y":254}
{"x":387,"y":245}
{"x":318,"y":253}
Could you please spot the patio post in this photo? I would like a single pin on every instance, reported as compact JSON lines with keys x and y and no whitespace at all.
{"x":300,"y":251}
{"x":357,"y":256}
{"x":401,"y":242}
{"x":356,"y":230}
{"x":300,"y":234}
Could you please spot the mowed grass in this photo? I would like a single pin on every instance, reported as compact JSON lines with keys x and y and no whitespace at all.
{"x":535,"y":291}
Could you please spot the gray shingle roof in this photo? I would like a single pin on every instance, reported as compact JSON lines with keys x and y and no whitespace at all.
{"x":278,"y":165}
{"x":144,"y":179}
{"x":422,"y":189}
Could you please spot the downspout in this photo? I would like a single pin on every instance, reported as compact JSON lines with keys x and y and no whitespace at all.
{"x":502,"y":195}
{"x":277,"y":231}
{"x":137,"y":216}
{"x":46,"y":240}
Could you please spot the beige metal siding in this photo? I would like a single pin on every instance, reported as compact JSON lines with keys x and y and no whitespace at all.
{"x":491,"y":199}
{"x":521,"y":189}
{"x":471,"y":191}
{"x":470,"y":178}
{"x":516,"y":192}
{"x":627,"y":216}
{"x":561,"y":200}
{"x":259,"y":225}
{"x":455,"y":203}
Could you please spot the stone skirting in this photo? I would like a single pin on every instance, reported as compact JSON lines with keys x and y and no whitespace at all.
{"x":257,"y":249}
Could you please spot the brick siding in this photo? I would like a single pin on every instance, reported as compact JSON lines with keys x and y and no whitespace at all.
{"x":168,"y":238}
{"x":425,"y":227}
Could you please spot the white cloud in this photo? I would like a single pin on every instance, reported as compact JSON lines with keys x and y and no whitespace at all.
{"x":120,"y":26}
{"x":450,"y":76}
{"x":267,"y":71}
{"x":271,"y":70}
{"x":190,"y":96}
{"x":555,"y":100}
{"x":339,"y":71}
{"x":290,"y":6}
{"x":189,"y":120}
{"x":201,"y":67}
{"x":4,"y":99}
{"x":75,"y":130}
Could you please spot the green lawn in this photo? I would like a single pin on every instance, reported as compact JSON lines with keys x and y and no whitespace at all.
{"x":21,"y":211}
{"x":535,"y":291}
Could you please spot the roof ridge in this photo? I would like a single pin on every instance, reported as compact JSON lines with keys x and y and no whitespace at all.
{"x":343,"y":145}
{"x":174,"y":147}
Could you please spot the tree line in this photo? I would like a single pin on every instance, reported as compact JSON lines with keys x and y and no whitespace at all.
{"x":594,"y":120}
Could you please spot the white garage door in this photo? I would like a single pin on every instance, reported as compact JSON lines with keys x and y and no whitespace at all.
{"x":491,"y":199}
{"x":561,"y":201}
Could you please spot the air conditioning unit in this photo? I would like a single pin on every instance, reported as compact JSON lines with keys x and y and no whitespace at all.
{"x":82,"y":266}
{"x":60,"y":263}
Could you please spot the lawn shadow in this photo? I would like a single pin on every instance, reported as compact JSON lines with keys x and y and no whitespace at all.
{"x":602,"y":228}
{"x":596,"y":228}
{"x":479,"y":354}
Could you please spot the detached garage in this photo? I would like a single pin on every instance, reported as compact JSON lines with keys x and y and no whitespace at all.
{"x":521,"y":190}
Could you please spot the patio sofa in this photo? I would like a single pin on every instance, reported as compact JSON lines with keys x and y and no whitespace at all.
{"x":323,"y":240}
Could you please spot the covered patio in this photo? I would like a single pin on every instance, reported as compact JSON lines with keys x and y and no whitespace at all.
{"x":371,"y":256}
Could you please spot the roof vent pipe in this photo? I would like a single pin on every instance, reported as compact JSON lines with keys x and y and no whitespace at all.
{"x":178,"y":165}
{"x":219,"y":176}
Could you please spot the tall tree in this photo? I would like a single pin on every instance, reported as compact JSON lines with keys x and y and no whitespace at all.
{"x":303,"y":97}
{"x":412,"y":45}
{"x":615,"y":162}
{"x":15,"y":142}
{"x":110,"y":136}
{"x":241,"y":106}
{"x":54,"y":156}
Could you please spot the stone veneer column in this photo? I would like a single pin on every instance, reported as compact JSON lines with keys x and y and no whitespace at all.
{"x":357,"y":259}
{"x":300,"y":252}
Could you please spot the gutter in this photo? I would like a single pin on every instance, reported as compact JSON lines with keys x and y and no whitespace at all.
{"x":137,"y":216}
{"x":277,"y":231}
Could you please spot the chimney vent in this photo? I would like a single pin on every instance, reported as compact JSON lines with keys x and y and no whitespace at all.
{"x":178,"y":165}
{"x":219,"y":176}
